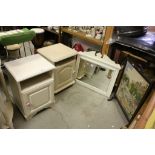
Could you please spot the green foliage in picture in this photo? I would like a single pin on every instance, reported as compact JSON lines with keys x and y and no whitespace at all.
{"x":131,"y":90}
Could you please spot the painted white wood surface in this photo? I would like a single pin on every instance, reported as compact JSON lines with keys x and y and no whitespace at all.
{"x":31,"y":80}
{"x":27,"y":67}
{"x":57,"y":52}
{"x":104,"y":62}
{"x":64,"y":73}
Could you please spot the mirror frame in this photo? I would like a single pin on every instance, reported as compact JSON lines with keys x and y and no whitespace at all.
{"x":104,"y":62}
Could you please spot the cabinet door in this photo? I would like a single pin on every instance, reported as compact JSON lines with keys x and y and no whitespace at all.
{"x":37,"y":99}
{"x":64,"y":75}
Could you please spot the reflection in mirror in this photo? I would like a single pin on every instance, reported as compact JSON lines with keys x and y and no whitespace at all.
{"x":94,"y":75}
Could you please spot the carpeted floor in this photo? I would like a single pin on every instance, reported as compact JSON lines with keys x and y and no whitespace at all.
{"x":76,"y":108}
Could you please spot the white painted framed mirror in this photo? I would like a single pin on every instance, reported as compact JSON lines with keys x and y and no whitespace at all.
{"x":96,"y":72}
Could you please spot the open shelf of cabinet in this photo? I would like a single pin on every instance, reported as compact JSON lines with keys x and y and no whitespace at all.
{"x":82,"y":36}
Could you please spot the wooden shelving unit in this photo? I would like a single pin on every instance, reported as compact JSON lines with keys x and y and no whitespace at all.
{"x":52,"y":31}
{"x":82,"y":36}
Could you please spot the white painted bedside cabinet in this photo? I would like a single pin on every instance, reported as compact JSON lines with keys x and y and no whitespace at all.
{"x":32,"y":83}
{"x":64,"y":58}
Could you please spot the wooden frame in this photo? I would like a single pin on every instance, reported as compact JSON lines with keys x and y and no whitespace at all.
{"x":104,"y":62}
{"x":144,"y":113}
{"x":129,"y":97}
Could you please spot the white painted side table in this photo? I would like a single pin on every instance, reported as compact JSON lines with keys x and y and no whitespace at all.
{"x":32,"y":84}
{"x":64,"y":58}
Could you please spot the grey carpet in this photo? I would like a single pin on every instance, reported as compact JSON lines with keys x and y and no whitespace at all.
{"x":76,"y":108}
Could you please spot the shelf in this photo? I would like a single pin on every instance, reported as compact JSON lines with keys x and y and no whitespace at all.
{"x":34,"y":81}
{"x":82,"y":36}
{"x":52,"y":31}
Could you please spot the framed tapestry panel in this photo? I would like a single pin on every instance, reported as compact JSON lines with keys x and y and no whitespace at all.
{"x":132,"y":90}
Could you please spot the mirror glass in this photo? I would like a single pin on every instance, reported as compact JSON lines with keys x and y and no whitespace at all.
{"x":94,"y":75}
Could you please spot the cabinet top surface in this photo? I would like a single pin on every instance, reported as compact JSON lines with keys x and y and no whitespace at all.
{"x":27,"y":67}
{"x":57,"y":52}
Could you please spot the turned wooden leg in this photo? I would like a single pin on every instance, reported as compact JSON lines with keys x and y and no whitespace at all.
{"x":109,"y":74}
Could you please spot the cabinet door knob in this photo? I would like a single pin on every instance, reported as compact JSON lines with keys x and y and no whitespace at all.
{"x":28,"y":104}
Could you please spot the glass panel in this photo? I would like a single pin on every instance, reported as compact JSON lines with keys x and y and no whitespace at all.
{"x":94,"y":75}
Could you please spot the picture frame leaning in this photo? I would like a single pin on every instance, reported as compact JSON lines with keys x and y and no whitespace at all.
{"x":132,"y":90}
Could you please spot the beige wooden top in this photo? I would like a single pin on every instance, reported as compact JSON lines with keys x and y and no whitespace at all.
{"x":57,"y":52}
{"x":27,"y":67}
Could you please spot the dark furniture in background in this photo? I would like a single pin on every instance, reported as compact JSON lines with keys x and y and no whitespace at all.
{"x":141,"y":49}
{"x":142,"y":52}
{"x":131,"y":31}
